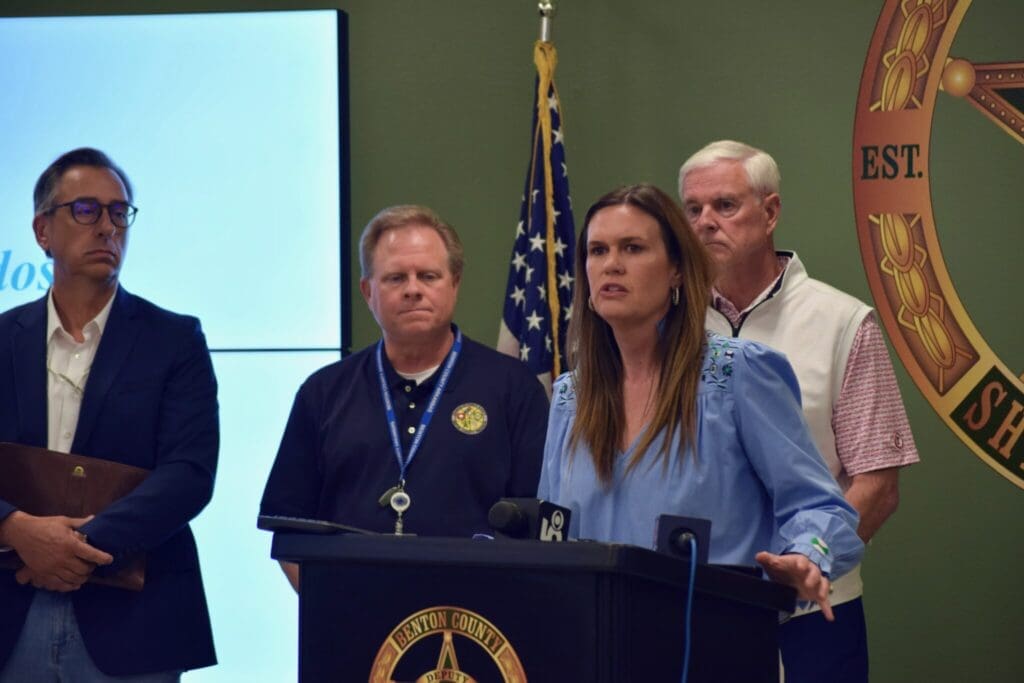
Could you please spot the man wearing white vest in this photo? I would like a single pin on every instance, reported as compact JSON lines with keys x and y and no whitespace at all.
{"x":730,"y":194}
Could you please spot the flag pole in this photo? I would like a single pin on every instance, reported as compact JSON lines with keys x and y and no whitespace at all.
{"x":547,"y":11}
{"x":538,"y":296}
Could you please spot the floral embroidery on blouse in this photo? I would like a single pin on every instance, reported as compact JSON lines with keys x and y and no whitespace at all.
{"x":566,"y":393}
{"x":718,"y":360}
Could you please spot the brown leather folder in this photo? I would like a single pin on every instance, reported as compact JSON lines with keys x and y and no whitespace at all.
{"x":46,"y":483}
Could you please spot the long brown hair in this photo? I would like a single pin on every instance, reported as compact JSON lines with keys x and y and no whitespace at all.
{"x":594,"y":356}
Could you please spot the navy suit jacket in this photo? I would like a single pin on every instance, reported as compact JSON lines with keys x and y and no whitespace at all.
{"x":150,"y":401}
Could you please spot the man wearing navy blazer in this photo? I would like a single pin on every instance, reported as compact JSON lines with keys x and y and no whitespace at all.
{"x":93,"y":370}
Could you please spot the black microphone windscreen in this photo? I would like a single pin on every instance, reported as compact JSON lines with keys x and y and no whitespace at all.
{"x":509,"y":519}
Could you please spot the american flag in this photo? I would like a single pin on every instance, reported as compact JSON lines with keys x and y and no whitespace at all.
{"x":538,"y":298}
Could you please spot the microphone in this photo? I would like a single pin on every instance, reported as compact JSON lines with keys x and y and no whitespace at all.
{"x":673,"y":533}
{"x":529,"y":518}
{"x":680,"y":542}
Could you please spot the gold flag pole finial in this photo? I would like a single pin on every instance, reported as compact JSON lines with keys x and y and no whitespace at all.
{"x":546,"y":9}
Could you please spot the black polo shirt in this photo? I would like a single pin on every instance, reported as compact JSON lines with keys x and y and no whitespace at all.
{"x":485,"y":441}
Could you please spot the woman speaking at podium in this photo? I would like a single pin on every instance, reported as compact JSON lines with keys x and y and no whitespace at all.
{"x":656,"y":416}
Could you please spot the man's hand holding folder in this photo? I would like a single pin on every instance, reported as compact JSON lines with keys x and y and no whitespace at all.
{"x":57,"y":557}
{"x":54,"y":495}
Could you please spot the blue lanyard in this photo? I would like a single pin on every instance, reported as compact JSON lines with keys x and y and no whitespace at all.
{"x":428,"y":414}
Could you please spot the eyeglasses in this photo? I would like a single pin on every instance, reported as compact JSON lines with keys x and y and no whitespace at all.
{"x":87,"y":211}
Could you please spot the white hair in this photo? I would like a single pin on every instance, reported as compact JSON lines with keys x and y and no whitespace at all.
{"x":762,"y":171}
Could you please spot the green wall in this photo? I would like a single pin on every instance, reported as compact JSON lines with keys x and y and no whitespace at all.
{"x":441,"y":97}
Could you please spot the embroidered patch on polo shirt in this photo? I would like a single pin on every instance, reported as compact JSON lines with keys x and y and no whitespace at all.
{"x":470,"y":418}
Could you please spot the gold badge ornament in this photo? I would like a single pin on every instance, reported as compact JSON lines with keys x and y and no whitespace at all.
{"x":980,"y":399}
{"x":447,"y":622}
{"x":470,"y":418}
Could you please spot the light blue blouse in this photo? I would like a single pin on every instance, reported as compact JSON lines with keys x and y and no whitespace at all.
{"x":757,"y":475}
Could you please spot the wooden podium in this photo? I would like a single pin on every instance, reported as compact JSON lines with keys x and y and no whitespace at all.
{"x":434,"y":610}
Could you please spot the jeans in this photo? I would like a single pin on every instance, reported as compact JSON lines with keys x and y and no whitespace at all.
{"x":50,"y":649}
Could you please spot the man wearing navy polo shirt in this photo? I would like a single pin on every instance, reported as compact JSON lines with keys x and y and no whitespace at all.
{"x":426,"y":429}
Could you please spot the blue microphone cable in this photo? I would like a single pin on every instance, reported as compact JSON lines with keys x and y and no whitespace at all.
{"x":689,"y":607}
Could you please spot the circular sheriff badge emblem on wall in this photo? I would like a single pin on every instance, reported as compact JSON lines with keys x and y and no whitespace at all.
{"x":976,"y":394}
{"x":444,"y":624}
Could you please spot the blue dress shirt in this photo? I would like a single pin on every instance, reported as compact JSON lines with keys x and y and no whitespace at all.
{"x":756,"y":474}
